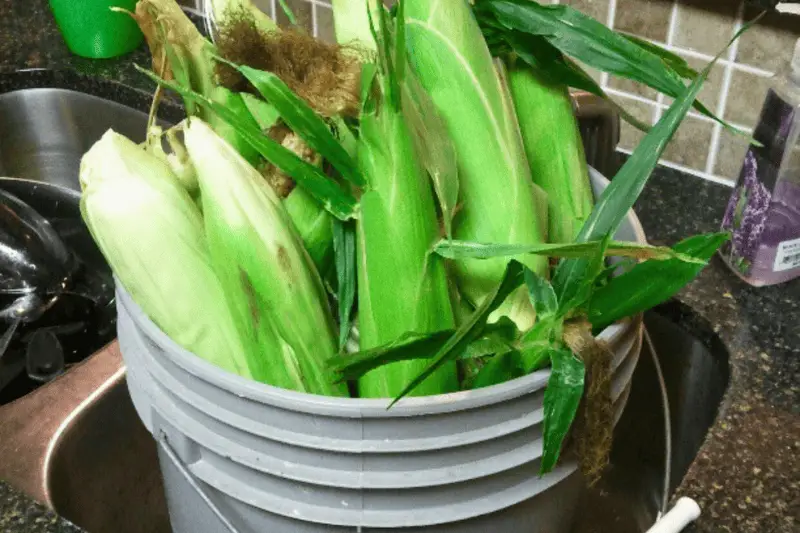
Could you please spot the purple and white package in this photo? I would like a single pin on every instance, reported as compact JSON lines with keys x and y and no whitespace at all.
{"x":764,"y":210}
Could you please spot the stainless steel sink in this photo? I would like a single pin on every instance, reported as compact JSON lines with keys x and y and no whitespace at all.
{"x":59,"y":441}
{"x":77,"y":444}
{"x":696,"y":374}
{"x":45,"y":132}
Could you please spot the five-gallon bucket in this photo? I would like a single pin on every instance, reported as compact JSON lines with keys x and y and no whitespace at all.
{"x":240,"y":456}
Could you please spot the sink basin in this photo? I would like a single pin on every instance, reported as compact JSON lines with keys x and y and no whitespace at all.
{"x":45,"y":132}
{"x":696,"y":375}
{"x":101,"y":470}
{"x":77,"y":444}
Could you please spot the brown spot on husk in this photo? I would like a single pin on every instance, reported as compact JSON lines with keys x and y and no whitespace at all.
{"x":250,"y":294}
{"x":282,"y":184}
{"x":323,"y":74}
{"x":592,"y":431}
{"x":284,"y":261}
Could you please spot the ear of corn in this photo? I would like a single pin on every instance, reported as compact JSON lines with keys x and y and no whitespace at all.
{"x":402,"y":286}
{"x":263,"y":267}
{"x":498,"y":197}
{"x":151,"y":233}
{"x":554,"y":150}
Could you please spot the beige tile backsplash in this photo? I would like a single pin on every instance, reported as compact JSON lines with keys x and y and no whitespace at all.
{"x":705,"y":25}
{"x":735,"y":89}
{"x":696,"y":30}
{"x":645,"y":18}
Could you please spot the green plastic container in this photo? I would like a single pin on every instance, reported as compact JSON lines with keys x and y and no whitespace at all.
{"x":91,"y":29}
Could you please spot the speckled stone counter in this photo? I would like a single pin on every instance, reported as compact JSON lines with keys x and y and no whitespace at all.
{"x":747,"y":475}
{"x":19,"y":515}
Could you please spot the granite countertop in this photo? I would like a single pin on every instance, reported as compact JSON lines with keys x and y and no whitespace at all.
{"x":747,"y":474}
{"x":746,"y":477}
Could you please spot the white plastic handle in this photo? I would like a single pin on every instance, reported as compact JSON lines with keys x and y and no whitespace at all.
{"x":684,"y":513}
{"x":785,"y":7}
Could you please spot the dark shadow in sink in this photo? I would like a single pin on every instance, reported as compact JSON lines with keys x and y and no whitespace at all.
{"x":696,"y":371}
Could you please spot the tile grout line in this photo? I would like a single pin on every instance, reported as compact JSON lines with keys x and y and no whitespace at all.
{"x":610,"y":16}
{"x":320,"y":3}
{"x":713,"y":151}
{"x":671,"y":29}
{"x":314,"y":26}
{"x":693,"y":114}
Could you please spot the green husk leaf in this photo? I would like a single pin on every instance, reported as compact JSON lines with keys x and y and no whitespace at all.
{"x":674,"y":61}
{"x":235,"y":104}
{"x":417,"y":346}
{"x":434,"y":146}
{"x":263,"y":112}
{"x":452,"y":249}
{"x":623,"y":191}
{"x":497,"y":338}
{"x":409,"y":346}
{"x":535,"y":343}
{"x":315,"y":226}
{"x":499,"y":202}
{"x":504,"y":366}
{"x":399,"y":40}
{"x":302,"y":119}
{"x":331,"y":196}
{"x":345,"y":136}
{"x":591,"y":42}
{"x":542,"y":295}
{"x":651,"y":283}
{"x":288,"y":12}
{"x":576,"y":294}
{"x":351,"y":23}
{"x":385,"y":58}
{"x":471,"y":329}
{"x":344,"y":246}
{"x":487,"y":345}
{"x":561,"y":400}
{"x":369,"y":72}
